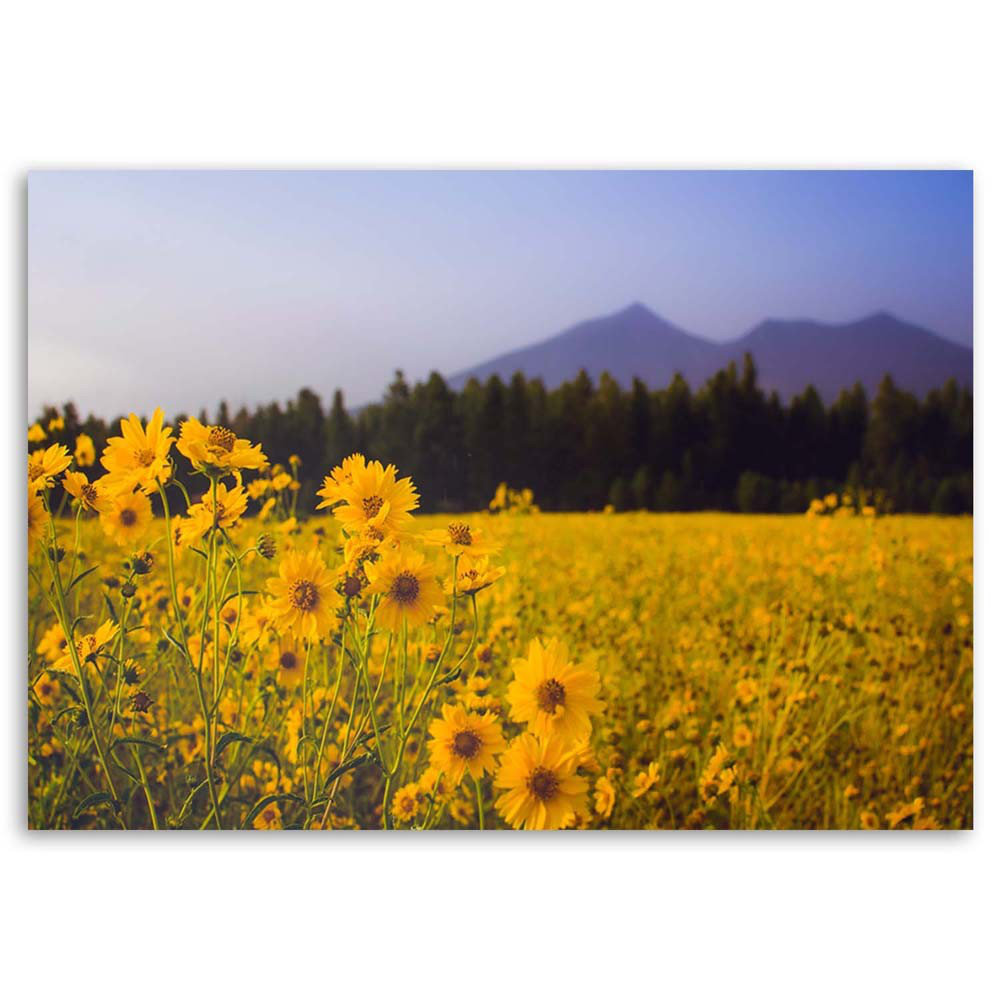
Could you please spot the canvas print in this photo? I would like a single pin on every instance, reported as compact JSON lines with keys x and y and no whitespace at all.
{"x":500,"y":500}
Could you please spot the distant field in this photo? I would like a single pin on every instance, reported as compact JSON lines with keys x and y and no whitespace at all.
{"x":787,"y":672}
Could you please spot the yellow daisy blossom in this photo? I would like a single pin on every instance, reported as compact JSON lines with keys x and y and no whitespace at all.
{"x":91,"y":496}
{"x":407,"y":587}
{"x":460,"y":538}
{"x":36,"y":433}
{"x":604,"y":797}
{"x":45,"y":464}
{"x":304,"y":599}
{"x":87,"y":647}
{"x":645,"y":780}
{"x":375,"y":498}
{"x":140,"y":457}
{"x":332,"y":490}
{"x":553,"y":695}
{"x":462,"y":741}
{"x":544,"y":791}
{"x":84,"y":452}
{"x":126,"y":518}
{"x":214,"y":447}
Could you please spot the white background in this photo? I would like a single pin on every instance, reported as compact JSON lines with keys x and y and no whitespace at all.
{"x":539,"y":84}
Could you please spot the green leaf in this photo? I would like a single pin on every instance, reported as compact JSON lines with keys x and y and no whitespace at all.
{"x":91,"y":800}
{"x":350,"y":765}
{"x":267,"y":800}
{"x":228,"y":738}
{"x":79,"y":576}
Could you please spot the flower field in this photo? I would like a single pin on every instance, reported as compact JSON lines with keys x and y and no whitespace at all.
{"x":259,"y":659}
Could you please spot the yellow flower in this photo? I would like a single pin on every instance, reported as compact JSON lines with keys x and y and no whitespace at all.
{"x":338,"y":478}
{"x":406,"y":803}
{"x":868,"y":820}
{"x":553,"y":695}
{"x":36,"y":433}
{"x":604,"y":797}
{"x":36,"y":519}
{"x":718,"y":777}
{"x":90,"y":495}
{"x":291,"y":664}
{"x":45,"y":464}
{"x":53,"y":644}
{"x":475,"y":575}
{"x":46,"y":689}
{"x":214,"y":447}
{"x":126,"y":518}
{"x":57,"y":424}
{"x":84,"y":452}
{"x":463,"y":741}
{"x":304,"y":602}
{"x":460,"y":538}
{"x":645,"y":780}
{"x":742,"y":735}
{"x":87,"y":647}
{"x":543,"y":789}
{"x":407,"y":587}
{"x":140,"y":457}
{"x":375,"y":499}
{"x":228,"y":507}
{"x":281,"y":482}
{"x":258,"y":488}
{"x":269,"y":818}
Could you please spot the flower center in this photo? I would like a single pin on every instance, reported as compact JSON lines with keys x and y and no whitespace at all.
{"x":127,"y":517}
{"x":144,"y":456}
{"x":46,"y":690}
{"x":35,"y":469}
{"x":405,"y":588}
{"x":551,"y":694}
{"x":88,"y":494}
{"x":287,"y":660}
{"x":221,"y":439}
{"x":466,"y":744}
{"x":303,"y":595}
{"x":543,"y":783}
{"x":460,"y":533}
{"x":371,"y":506}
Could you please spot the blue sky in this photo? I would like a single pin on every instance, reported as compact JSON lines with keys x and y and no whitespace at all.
{"x":180,"y":288}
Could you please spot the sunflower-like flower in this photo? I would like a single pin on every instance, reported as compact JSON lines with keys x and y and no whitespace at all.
{"x":46,"y":689}
{"x":474,"y":575}
{"x":228,"y":507}
{"x":84,"y":452}
{"x":291,"y":663}
{"x":36,"y":519}
{"x":45,"y":464}
{"x":462,"y":741}
{"x":87,"y":647}
{"x":126,"y":518}
{"x":140,"y":457}
{"x":214,"y":447}
{"x":553,"y":695}
{"x":36,"y":433}
{"x":90,"y":495}
{"x":460,"y":538}
{"x":544,"y":791}
{"x":374,"y":499}
{"x":604,"y":797}
{"x":343,"y":475}
{"x":406,"y":803}
{"x":407,"y":587}
{"x":304,"y":600}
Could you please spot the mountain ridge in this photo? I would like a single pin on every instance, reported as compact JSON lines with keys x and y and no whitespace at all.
{"x":789,"y":353}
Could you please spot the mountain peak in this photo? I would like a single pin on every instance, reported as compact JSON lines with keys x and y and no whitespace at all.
{"x":790,"y":354}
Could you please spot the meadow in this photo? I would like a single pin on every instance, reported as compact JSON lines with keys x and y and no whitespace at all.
{"x":363,"y":665}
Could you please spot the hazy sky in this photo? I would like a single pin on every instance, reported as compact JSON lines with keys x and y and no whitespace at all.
{"x":181,"y":288}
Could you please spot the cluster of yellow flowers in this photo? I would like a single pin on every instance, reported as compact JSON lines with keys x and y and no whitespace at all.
{"x":373,"y":666}
{"x":268,"y":669}
{"x":845,"y":505}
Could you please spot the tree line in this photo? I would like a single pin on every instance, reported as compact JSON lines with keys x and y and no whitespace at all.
{"x":585,"y":444}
